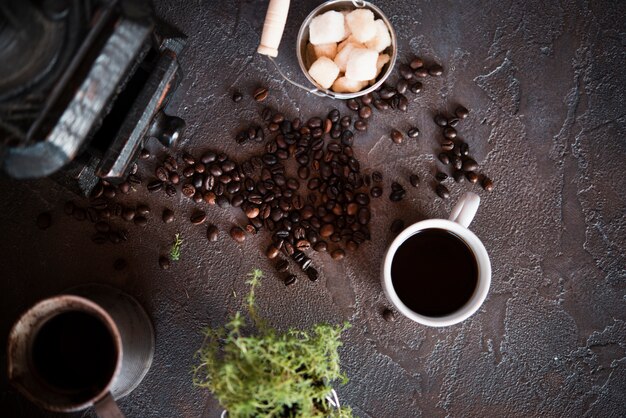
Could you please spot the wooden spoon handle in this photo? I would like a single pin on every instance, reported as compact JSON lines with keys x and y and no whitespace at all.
{"x":273,"y":27}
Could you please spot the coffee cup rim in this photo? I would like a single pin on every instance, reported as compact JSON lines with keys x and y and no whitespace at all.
{"x":482,"y":260}
{"x":34,"y":317}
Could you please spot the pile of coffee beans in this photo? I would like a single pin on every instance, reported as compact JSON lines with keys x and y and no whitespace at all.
{"x":455,"y":154}
{"x":389,"y":96}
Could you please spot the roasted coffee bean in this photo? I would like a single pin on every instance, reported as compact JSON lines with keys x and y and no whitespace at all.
{"x":212,"y":233}
{"x":381,"y":104}
{"x":298,"y":256}
{"x":403,"y":102}
{"x":188,"y":158}
{"x":144,"y":154}
{"x":327,"y":230}
{"x":376,"y":192}
{"x":124,"y":187}
{"x":97,"y":191}
{"x":416,"y":63}
{"x":416,"y":87}
{"x":237,"y":234}
{"x":99,"y":238}
{"x":260,"y":94}
{"x":198,"y":197}
{"x":414,"y":180}
{"x":109,"y":192}
{"x":413,"y":132}
{"x":441,"y":176}
{"x":443,"y":157}
{"x":162,"y":174}
{"x":105,"y":213}
{"x":377,"y":176}
{"x":388,"y":315}
{"x":464,"y":149}
{"x":282,"y":266}
{"x":312,"y":274}
{"x":320,"y":246}
{"x":352,"y":245}
{"x":134,"y":179}
{"x":198,"y":217}
{"x":447,"y":145}
{"x":272,"y":252}
{"x":403,"y":85}
{"x":237,"y":97}
{"x":140,"y":220}
{"x":435,"y":70}
{"x":397,"y":226}
{"x":155,"y":186}
{"x":114,"y":237}
{"x":396,"y":196}
{"x":364,"y":216}
{"x":305,"y":264}
{"x":44,"y":220}
{"x":394,"y":102}
{"x":456,"y":162}
{"x":92,"y":215}
{"x":290,"y":280}
{"x":167,"y":216}
{"x":303,"y":245}
{"x":386,"y":93}
{"x":314,"y":183}
{"x":487,"y":184}
{"x":449,"y":132}
{"x":199,"y":168}
{"x":237,"y":200}
{"x":208,"y":157}
{"x":188,"y":190}
{"x":471,"y":176}
{"x":120,"y":264}
{"x":441,"y":120}
{"x":470,"y":165}
{"x":338,"y":254}
{"x":396,"y":136}
{"x":406,"y":72}
{"x":461,"y":112}
{"x":421,"y":73}
{"x":360,"y":125}
{"x":458,"y":176}
{"x":365,"y":112}
{"x":353,"y":104}
{"x":442,"y":191}
{"x":143,"y":210}
{"x":128,"y":214}
{"x":453,"y":122}
{"x":222,"y":201}
{"x":164,"y":262}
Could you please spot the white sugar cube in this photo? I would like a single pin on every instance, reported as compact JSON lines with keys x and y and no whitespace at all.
{"x":310,"y":54}
{"x":348,"y":31}
{"x":325,"y":50}
{"x":361,"y":64}
{"x":341,"y":59}
{"x":326,"y":28}
{"x":380,"y":63}
{"x":349,"y":40}
{"x":361,"y":24}
{"x":345,"y":85}
{"x":382,"y":39}
{"x":324,"y":71}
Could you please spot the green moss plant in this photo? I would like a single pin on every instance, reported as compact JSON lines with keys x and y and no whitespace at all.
{"x":269,"y":373}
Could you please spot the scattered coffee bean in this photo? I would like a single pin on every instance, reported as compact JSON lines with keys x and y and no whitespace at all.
{"x":402,"y":85}
{"x":162,"y":174}
{"x":458,"y":176}
{"x":406,"y":72}
{"x":260,"y":94}
{"x":416,"y":63}
{"x":164,"y":262}
{"x":443,"y":157}
{"x":360,"y":125}
{"x":464,"y":148}
{"x":487,"y":184}
{"x":421,"y":73}
{"x":365,"y":112}
{"x":453,"y":122}
{"x":198,"y":217}
{"x":312,"y":274}
{"x":376,"y":192}
{"x":44,"y":220}
{"x":414,"y":180}
{"x":441,"y":176}
{"x":143,"y":210}
{"x":442,"y":191}
{"x":470,"y":165}
{"x":282,"y":266}
{"x":447,"y":145}
{"x":397,"y":226}
{"x":128,"y":214}
{"x":237,"y":234}
{"x":396,"y":136}
{"x":388,"y":315}
{"x":353,"y":105}
{"x":416,"y":87}
{"x":144,"y":154}
{"x":441,"y":120}
{"x":212,"y":233}
{"x":167,"y":216}
{"x":449,"y":132}
{"x":461,"y":112}
{"x":120,"y":264}
{"x":413,"y":133}
{"x":435,"y":70}
{"x":272,"y":252}
{"x":290,"y":280}
{"x":320,"y":246}
{"x":155,"y":186}
{"x":140,"y":221}
{"x":237,"y":97}
{"x":338,"y":254}
{"x":471,"y":176}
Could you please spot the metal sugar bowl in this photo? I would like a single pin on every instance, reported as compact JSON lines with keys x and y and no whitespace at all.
{"x":273,"y":30}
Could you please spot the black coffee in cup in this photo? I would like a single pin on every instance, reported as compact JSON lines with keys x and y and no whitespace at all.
{"x":434,"y":272}
{"x":74,"y":353}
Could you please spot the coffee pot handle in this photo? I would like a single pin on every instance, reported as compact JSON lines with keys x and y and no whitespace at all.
{"x":465,"y":209}
{"x":273,"y":27}
{"x":107,"y":408}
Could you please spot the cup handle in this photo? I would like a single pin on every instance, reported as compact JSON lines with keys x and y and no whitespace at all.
{"x":107,"y":408}
{"x":273,"y":27}
{"x":465,"y":209}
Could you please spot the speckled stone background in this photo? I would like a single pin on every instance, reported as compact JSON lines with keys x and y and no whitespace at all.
{"x":544,"y":82}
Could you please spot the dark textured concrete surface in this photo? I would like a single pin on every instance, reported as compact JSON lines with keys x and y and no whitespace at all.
{"x":544,"y":82}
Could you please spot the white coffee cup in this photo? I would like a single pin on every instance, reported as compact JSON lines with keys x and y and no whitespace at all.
{"x":458,"y":224}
